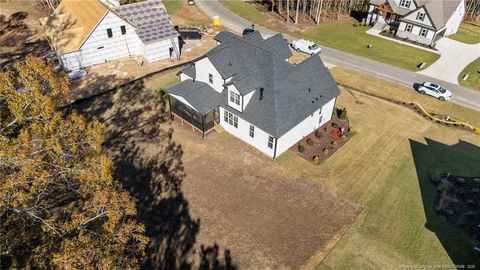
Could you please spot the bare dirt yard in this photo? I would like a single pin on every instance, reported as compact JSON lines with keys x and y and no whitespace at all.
{"x":214,"y":201}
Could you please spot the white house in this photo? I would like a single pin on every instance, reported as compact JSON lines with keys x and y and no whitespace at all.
{"x":423,"y":21}
{"x":246,"y":86}
{"x":89,"y":32}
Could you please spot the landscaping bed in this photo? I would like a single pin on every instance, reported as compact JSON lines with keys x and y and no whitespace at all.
{"x":458,"y":200}
{"x":326,"y":140}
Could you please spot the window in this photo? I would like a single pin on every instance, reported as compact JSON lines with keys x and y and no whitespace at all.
{"x":423,"y":32}
{"x":230,"y":118}
{"x":270,"y":142}
{"x":234,"y":97}
{"x":109,"y":32}
{"x":405,"y":3}
{"x":210,"y":78}
{"x":123,"y":29}
{"x":409,"y":28}
{"x":420,"y":16}
{"x":252,"y":131}
{"x":320,"y":119}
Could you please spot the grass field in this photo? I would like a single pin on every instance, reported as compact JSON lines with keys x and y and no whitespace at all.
{"x":467,"y":33}
{"x":344,"y":36}
{"x":473,"y":80}
{"x":385,"y":168}
{"x":387,"y":89}
{"x":173,"y":6}
{"x":247,"y":11}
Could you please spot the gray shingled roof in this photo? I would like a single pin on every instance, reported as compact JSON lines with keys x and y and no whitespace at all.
{"x":200,"y":95}
{"x":150,"y":18}
{"x":291,"y":92}
{"x":189,"y":70}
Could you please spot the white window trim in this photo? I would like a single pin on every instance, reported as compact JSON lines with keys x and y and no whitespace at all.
{"x":421,"y":16}
{"x":409,"y":27}
{"x":234,"y":98}
{"x":405,"y":3}
{"x":230,"y":118}
{"x":270,"y":142}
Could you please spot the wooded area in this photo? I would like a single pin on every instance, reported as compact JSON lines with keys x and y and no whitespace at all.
{"x":318,"y":11}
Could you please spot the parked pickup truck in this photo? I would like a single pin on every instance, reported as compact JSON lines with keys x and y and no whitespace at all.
{"x":306,"y":46}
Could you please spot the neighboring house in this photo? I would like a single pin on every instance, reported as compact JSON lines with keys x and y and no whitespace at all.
{"x":423,"y":21}
{"x":247,"y":86}
{"x":88,"y":32}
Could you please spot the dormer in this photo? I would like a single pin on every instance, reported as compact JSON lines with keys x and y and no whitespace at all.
{"x":235,"y":98}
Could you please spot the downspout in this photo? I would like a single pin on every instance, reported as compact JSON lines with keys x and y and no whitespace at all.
{"x":203,"y":126}
{"x":170,"y":108}
{"x":275,"y":149}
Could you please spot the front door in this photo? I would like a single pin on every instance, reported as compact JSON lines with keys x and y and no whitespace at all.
{"x":388,"y":17}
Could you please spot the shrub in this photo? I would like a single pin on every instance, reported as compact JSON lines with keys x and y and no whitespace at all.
{"x":334,"y":125}
{"x":309,"y":141}
{"x":342,"y":113}
{"x":476,"y":131}
{"x":301,"y":148}
{"x":351,"y":131}
{"x":316,"y":159}
{"x":355,"y":24}
{"x":334,"y":143}
{"x":344,"y":138}
{"x":325,"y":151}
{"x":318,"y":134}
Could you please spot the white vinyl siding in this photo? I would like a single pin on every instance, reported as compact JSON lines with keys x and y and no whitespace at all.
{"x":405,"y":3}
{"x":270,"y":142}
{"x":204,"y":68}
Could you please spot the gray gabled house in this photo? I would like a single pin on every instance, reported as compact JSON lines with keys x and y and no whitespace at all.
{"x":247,"y":86}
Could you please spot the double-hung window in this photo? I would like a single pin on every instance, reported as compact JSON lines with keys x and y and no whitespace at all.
{"x":252,"y":131}
{"x":234,"y":97}
{"x":270,"y":142}
{"x":210,"y":78}
{"x":409,"y":28}
{"x":230,"y":118}
{"x":420,"y":16}
{"x":405,"y":3}
{"x":423,"y":32}
{"x":109,"y":32}
{"x":123,"y":29}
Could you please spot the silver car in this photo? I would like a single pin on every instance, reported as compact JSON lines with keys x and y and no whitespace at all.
{"x":435,"y":90}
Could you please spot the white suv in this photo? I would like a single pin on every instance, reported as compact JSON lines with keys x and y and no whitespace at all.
{"x":306,"y":46}
{"x":435,"y":90}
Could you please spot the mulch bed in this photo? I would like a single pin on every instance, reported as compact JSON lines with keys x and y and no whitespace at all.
{"x":322,"y":143}
{"x":458,"y":200}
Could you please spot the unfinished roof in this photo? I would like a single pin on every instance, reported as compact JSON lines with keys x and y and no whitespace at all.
{"x":290,"y":92}
{"x":150,"y":18}
{"x":73,"y":22}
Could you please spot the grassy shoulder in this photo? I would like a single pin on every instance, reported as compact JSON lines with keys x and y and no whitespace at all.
{"x":344,"y":36}
{"x":173,"y":6}
{"x":245,"y":10}
{"x":467,"y":33}
{"x":473,"y":70}
{"x":387,"y":89}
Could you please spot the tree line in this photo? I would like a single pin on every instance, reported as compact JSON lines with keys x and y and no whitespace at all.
{"x":320,"y":10}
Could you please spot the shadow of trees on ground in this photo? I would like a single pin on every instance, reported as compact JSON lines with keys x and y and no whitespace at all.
{"x":149,"y":164}
{"x":15,"y":40}
{"x":433,"y":158}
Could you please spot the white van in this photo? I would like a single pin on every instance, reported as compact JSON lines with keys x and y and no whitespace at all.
{"x":306,"y":46}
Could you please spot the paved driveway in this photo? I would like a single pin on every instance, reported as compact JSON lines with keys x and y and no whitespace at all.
{"x":455,"y":57}
{"x":461,"y":95}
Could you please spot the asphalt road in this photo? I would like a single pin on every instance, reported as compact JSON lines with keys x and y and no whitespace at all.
{"x":461,"y":95}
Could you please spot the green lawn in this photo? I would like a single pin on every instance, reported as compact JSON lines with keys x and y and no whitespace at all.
{"x":247,"y":11}
{"x":467,"y":33}
{"x":173,"y":6}
{"x":344,"y":36}
{"x":385,"y":168}
{"x":473,"y":80}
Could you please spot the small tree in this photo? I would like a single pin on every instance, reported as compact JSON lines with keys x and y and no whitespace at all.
{"x":60,"y":206}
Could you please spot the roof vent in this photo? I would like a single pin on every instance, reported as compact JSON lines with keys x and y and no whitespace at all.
{"x":230,"y":63}
{"x":261,"y":93}
{"x":309,"y":90}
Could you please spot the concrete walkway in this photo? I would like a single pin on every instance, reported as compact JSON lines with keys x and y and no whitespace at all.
{"x":455,"y":56}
